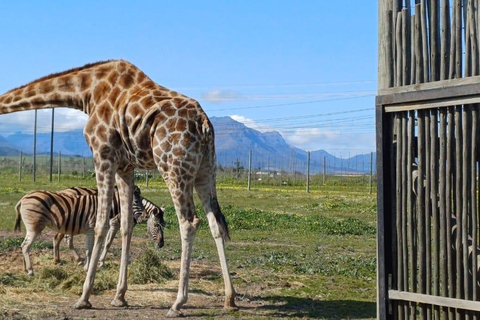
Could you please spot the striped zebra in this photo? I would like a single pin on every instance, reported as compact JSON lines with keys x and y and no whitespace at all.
{"x":151,"y":213}
{"x":66,"y":214}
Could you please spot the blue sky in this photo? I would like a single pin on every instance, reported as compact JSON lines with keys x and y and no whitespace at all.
{"x":307,"y":69}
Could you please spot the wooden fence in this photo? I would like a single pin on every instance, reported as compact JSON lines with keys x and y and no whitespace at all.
{"x":428,"y":159}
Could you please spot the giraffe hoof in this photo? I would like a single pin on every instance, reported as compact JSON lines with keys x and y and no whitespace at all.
{"x":83,"y":305}
{"x":231,"y":308}
{"x":119,"y":302}
{"x":174,"y":314}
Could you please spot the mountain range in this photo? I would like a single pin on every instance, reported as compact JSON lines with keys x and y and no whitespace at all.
{"x":233,"y":143}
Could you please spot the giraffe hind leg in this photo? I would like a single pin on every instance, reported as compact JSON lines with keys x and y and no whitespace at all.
{"x":188,"y":223}
{"x":219,"y":230}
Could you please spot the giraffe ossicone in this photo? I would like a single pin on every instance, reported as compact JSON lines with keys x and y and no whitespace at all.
{"x":135,"y":123}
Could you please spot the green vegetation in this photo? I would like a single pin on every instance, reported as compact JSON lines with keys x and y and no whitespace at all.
{"x":304,"y":255}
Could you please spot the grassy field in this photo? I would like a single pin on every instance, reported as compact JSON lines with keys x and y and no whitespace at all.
{"x":292,"y":254}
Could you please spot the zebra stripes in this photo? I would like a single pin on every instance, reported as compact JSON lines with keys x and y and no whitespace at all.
{"x":155,"y":220}
{"x":65,"y":213}
{"x":151,"y":213}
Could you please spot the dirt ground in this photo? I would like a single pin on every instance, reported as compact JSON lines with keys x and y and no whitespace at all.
{"x":145,"y":301}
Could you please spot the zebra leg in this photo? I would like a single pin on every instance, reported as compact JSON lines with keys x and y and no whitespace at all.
{"x":125,"y":184}
{"x":114,"y":227}
{"x":73,"y":250}
{"x":56,"y":247}
{"x":105,"y":174}
{"x":89,"y":240}
{"x":27,"y":243}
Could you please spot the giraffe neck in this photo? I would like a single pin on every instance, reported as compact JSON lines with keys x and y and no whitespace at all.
{"x":81,"y":88}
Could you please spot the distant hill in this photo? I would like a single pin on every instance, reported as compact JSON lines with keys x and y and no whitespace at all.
{"x":233,"y":142}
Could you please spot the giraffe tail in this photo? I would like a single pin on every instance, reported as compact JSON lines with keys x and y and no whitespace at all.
{"x":220,"y":217}
{"x":17,"y":221}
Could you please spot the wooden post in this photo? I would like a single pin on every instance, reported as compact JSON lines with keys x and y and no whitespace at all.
{"x":51,"y":144}
{"x":59,"y":164}
{"x":249,"y":169}
{"x":371,"y":172}
{"x":308,"y":172}
{"x":20,"y":167}
{"x":35,"y":148}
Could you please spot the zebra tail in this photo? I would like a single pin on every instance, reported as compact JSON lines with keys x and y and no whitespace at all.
{"x":17,"y":221}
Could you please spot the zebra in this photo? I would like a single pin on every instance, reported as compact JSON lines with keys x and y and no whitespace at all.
{"x":66,"y":214}
{"x":152,"y":213}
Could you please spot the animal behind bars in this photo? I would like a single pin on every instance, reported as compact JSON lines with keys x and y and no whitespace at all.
{"x":66,"y":214}
{"x":152,"y":214}
{"x":135,"y":123}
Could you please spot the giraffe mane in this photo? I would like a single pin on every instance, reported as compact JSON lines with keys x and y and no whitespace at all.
{"x":58,"y":74}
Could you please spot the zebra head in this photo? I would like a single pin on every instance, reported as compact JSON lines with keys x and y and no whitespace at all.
{"x":137,"y":202}
{"x":155,"y":226}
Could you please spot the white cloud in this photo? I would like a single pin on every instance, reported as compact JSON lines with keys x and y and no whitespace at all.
{"x":312,"y":139}
{"x":218,"y":95}
{"x":65,"y":119}
{"x":252,"y":124}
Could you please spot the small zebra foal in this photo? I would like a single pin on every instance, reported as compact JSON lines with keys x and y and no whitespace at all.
{"x":66,"y":214}
{"x":152,"y":213}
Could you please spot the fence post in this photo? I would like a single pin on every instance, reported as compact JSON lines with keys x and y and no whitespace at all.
{"x":324,"y":169}
{"x":59,"y":164}
{"x":146,"y":178}
{"x":35,"y":148}
{"x":371,"y":171}
{"x":83,"y":173}
{"x":51,"y":144}
{"x":249,"y":169}
{"x":308,"y":172}
{"x":20,"y":167}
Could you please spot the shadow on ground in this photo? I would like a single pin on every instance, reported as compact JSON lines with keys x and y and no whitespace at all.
{"x":280,"y":306}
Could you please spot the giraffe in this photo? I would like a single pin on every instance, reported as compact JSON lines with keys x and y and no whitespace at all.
{"x":135,"y":123}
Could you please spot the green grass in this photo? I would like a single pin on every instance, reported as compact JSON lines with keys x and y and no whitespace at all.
{"x":304,"y":254}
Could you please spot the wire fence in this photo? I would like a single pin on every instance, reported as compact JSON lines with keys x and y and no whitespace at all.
{"x":250,"y":171}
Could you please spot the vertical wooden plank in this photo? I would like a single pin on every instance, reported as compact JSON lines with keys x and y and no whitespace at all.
{"x":445,"y":39}
{"x":473,"y":199}
{"x":399,"y":212}
{"x":458,"y":206}
{"x":434,"y":203}
{"x":465,"y":201}
{"x":398,"y":80}
{"x":412,"y":250}
{"x":457,"y":11}
{"x":472,"y":36}
{"x":449,"y":206}
{"x":404,"y":232}
{"x":419,"y":71}
{"x":434,"y":39}
{"x":428,"y":201}
{"x":425,"y":53}
{"x":442,"y":174}
{"x":421,"y":224}
{"x":406,"y":47}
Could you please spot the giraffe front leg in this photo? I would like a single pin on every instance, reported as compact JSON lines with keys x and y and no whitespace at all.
{"x":125,"y":184}
{"x":89,"y":242}
{"x":105,"y":192}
